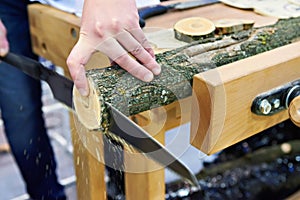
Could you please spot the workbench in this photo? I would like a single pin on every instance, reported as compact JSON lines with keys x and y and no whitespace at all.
{"x":54,"y":33}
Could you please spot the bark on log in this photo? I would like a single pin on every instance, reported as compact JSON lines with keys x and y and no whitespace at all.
{"x":132,"y":96}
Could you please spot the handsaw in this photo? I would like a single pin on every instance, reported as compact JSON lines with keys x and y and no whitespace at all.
{"x":121,"y":125}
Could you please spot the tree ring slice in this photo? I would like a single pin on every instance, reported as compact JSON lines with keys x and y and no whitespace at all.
{"x":193,"y":28}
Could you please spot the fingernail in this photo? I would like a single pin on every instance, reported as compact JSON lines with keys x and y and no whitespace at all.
{"x":156,"y":70}
{"x":148,"y":77}
{"x":83,"y":92}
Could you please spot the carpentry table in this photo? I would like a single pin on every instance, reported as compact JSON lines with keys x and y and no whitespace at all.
{"x":55,"y":32}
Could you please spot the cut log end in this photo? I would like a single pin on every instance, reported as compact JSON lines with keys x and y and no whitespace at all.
{"x":193,"y":28}
{"x":88,"y":109}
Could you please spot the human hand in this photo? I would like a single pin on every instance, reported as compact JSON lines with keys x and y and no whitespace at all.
{"x":112,"y":27}
{"x":4,"y":47}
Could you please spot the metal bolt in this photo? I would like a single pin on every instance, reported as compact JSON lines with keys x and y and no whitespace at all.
{"x":265,"y":107}
{"x":276,"y":103}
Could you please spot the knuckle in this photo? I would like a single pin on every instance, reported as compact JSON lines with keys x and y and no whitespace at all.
{"x":99,"y":31}
{"x":137,"y":50}
{"x":116,"y":25}
{"x":123,"y":61}
{"x":70,"y":62}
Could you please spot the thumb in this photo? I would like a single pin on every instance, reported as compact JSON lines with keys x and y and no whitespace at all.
{"x":76,"y":61}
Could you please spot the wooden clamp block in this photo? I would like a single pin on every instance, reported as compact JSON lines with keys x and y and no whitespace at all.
{"x":222,"y":97}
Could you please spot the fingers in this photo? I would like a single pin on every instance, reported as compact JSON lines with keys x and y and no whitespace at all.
{"x":4,"y":47}
{"x":139,"y":35}
{"x":134,"y":68}
{"x":76,"y":61}
{"x":119,"y":55}
{"x":139,"y":48}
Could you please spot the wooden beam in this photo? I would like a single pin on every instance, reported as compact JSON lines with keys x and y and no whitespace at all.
{"x":89,"y":164}
{"x":222,"y":97}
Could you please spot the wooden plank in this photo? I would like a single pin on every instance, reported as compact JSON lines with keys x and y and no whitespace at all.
{"x":89,"y":168}
{"x":225,"y":95}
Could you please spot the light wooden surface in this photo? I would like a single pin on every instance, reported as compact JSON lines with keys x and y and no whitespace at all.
{"x":54,"y":33}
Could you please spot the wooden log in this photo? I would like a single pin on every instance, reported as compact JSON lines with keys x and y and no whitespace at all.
{"x":132,"y":96}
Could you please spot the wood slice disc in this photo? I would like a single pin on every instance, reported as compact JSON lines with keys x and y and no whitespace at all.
{"x":88,"y":109}
{"x":227,"y":26}
{"x":194,"y":28}
{"x":294,"y":111}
